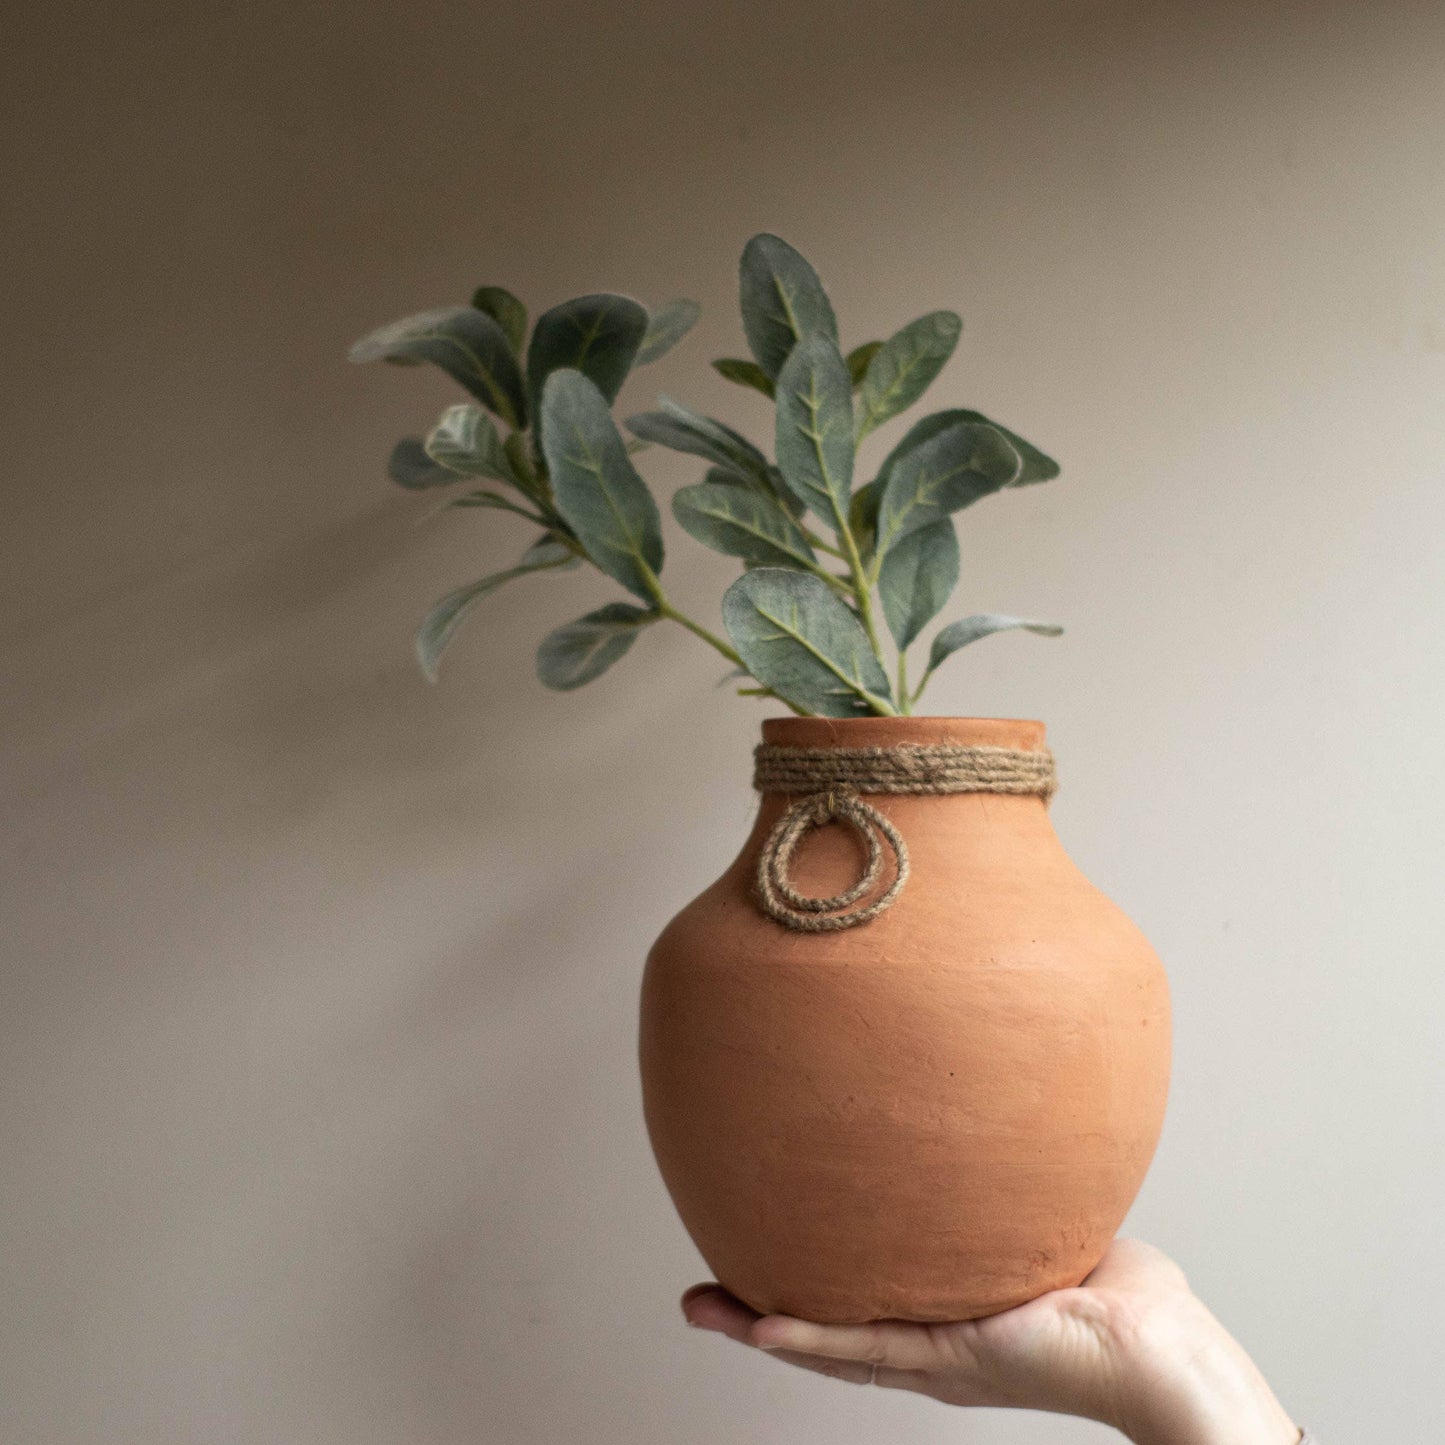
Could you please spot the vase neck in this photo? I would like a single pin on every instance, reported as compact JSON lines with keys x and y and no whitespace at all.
{"x":1023,"y":734}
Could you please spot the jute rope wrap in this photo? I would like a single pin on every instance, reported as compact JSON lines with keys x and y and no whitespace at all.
{"x":831,"y":780}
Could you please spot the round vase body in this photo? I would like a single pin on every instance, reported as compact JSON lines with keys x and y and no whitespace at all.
{"x":936,"y":1115}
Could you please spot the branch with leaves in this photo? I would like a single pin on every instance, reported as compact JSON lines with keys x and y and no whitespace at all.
{"x":822,"y":558}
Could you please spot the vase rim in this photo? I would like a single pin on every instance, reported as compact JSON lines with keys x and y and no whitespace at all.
{"x":823,"y":732}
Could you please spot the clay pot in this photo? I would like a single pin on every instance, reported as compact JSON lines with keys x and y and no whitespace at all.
{"x":937,"y":1115}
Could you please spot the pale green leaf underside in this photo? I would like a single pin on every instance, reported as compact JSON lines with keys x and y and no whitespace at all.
{"x":595,"y":486}
{"x":665,"y":328}
{"x":683,"y":430}
{"x":782,"y":301}
{"x":966,"y":630}
{"x":467,"y":344}
{"x":741,"y":522}
{"x":917,"y":578}
{"x":945,"y":474}
{"x":440,"y":624}
{"x":903,"y":368}
{"x":574,"y":654}
{"x":1035,"y":466}
{"x":466,"y":441}
{"x":795,"y":637}
{"x":815,"y":427}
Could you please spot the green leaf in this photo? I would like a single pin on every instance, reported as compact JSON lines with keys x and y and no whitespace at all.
{"x":782,"y":301}
{"x":727,"y":477}
{"x":504,"y":308}
{"x":948,"y":472}
{"x":741,"y":522}
{"x":596,"y":335}
{"x":466,"y":441}
{"x":595,"y":486}
{"x":958,"y":634}
{"x":575,"y":654}
{"x":815,"y":427}
{"x":904,"y":367}
{"x":863,"y":515}
{"x":917,"y":578}
{"x":518,"y":451}
{"x":409,"y":466}
{"x":674,"y":425}
{"x":467,"y":344}
{"x":495,"y":501}
{"x":770,"y":487}
{"x":795,"y":637}
{"x":792,"y":503}
{"x":544,"y":549}
{"x":665,"y":328}
{"x":745,"y":373}
{"x":440,"y":624}
{"x":1036,"y":467}
{"x":857,"y":361}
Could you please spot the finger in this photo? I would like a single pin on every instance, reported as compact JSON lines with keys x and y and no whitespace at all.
{"x":855,"y":1372}
{"x":710,"y":1307}
{"x":895,"y":1343}
{"x":852,"y":1372}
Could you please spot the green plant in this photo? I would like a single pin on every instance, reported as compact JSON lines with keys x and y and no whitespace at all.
{"x":822,"y":558}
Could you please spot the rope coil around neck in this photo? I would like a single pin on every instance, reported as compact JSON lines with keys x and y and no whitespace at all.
{"x":831,"y":780}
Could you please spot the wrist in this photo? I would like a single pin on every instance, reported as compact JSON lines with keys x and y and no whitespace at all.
{"x":1197,"y":1386}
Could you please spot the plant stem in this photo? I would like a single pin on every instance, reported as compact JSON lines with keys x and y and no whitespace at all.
{"x":839,"y":584}
{"x":861,"y":589}
{"x":823,"y":546}
{"x":666,"y":609}
{"x":768,"y":692}
{"x":905,"y":703}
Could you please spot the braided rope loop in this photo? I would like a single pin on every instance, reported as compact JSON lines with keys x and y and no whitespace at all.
{"x":832,"y":778}
{"x":783,"y":902}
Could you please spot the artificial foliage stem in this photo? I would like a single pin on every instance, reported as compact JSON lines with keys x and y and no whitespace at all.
{"x":666,"y":609}
{"x":821,"y":545}
{"x":905,"y":703}
{"x":861,"y":589}
{"x":841,"y":585}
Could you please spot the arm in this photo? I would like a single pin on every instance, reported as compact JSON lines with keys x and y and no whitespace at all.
{"x":1131,"y":1347}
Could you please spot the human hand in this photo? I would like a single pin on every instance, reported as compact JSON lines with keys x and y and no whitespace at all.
{"x":1131,"y":1347}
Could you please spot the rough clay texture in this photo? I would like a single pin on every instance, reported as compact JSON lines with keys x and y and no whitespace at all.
{"x":938,"y":1115}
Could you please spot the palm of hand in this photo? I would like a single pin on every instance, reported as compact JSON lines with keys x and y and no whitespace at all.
{"x":1075,"y":1351}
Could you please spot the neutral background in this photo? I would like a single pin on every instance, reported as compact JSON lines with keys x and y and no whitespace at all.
{"x":319,"y":1106}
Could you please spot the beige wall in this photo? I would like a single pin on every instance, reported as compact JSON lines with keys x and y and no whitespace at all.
{"x":320,"y":1118}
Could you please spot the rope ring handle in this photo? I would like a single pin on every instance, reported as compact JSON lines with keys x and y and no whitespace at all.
{"x":814,"y":812}
{"x":783,"y":903}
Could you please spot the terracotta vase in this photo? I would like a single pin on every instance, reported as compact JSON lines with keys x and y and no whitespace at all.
{"x":937,"y":1115}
